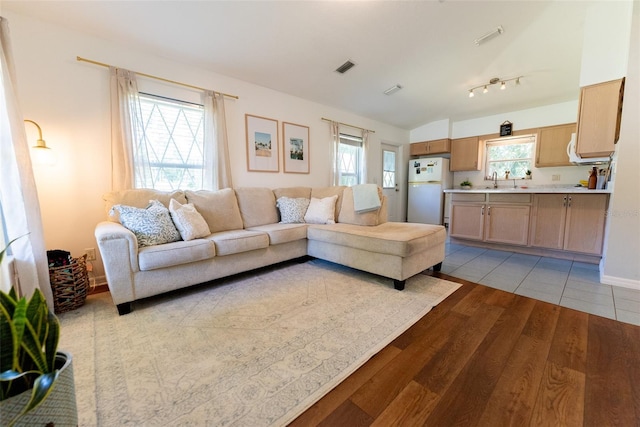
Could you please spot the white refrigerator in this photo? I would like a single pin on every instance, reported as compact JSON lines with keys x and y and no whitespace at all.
{"x":428,"y":177}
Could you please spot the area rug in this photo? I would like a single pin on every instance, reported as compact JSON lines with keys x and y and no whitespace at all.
{"x":255,"y":349}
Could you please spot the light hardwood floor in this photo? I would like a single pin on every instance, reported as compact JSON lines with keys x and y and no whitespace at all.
{"x":492,"y":358}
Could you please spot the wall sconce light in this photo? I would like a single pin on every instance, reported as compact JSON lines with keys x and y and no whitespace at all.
{"x":485,"y":86}
{"x":40,"y":153}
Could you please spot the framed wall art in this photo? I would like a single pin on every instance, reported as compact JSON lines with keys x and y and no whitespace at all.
{"x":262,"y":144}
{"x":295,"y":150}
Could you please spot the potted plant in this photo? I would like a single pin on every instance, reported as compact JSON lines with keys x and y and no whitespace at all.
{"x":466,"y":184}
{"x":528,"y":174}
{"x":36,"y":380}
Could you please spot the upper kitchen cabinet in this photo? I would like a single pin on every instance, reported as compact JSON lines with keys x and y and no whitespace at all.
{"x":465,"y":154}
{"x":599,"y":113}
{"x":551,"y":148}
{"x":438,"y":146}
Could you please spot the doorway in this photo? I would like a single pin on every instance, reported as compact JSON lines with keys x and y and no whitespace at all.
{"x":390,"y":180}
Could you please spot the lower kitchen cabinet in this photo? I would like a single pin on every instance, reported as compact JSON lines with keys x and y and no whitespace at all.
{"x":571,"y":222}
{"x":507,"y":224}
{"x":499,"y":222}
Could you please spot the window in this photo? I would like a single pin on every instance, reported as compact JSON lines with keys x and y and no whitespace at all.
{"x":350,"y":159}
{"x":513,"y":155}
{"x":173,"y":139}
{"x":388,"y":169}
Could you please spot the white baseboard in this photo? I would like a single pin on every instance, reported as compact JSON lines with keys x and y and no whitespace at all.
{"x":619,"y":281}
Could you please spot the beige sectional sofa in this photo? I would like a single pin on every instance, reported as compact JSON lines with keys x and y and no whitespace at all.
{"x":246,"y":234}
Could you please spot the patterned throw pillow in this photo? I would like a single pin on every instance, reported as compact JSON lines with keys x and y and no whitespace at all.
{"x":321,"y":211}
{"x":188,"y":220}
{"x":151,"y":225}
{"x":292,"y":210}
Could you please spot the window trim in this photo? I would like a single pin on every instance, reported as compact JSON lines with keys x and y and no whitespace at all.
{"x":513,"y":140}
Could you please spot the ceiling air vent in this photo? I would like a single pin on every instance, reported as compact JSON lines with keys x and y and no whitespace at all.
{"x":345,"y":67}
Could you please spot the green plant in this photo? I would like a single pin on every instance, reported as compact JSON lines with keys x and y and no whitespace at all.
{"x":528,"y":172}
{"x":30,"y":335}
{"x":465,"y":183}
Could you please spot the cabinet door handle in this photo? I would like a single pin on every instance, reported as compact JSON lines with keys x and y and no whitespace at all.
{"x":569,"y":204}
{"x":489,"y":211}
{"x":564,"y":202}
{"x":482,"y":212}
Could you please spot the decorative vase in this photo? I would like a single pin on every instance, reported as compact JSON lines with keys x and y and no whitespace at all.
{"x":58,"y":409}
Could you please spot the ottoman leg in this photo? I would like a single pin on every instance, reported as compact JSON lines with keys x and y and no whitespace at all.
{"x":398,"y":284}
{"x":437,"y":267}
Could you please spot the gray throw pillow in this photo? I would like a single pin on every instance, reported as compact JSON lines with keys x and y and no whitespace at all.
{"x":151,"y":225}
{"x":292,"y":210}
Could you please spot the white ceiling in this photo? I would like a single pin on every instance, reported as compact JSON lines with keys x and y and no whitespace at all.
{"x":294,"y":47}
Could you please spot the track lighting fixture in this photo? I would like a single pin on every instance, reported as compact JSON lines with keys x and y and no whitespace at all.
{"x":493,"y":81}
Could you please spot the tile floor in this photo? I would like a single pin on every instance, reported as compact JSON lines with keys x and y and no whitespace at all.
{"x":567,"y":283}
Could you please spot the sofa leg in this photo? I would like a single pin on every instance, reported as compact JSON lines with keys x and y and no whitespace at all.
{"x":124,"y":308}
{"x":398,"y":284}
{"x":437,"y":267}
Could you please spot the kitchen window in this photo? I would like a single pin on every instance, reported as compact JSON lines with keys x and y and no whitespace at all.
{"x":173,"y":139}
{"x":513,"y":155}
{"x":350,"y":159}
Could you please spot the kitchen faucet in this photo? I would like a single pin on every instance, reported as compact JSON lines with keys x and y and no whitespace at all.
{"x":494,"y":177}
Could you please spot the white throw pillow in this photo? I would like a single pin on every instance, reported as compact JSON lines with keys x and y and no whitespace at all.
{"x":321,"y":211}
{"x":292,"y":210}
{"x":188,"y":220}
{"x":151,"y":225}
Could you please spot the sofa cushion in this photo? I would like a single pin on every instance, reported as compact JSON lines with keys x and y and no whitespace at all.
{"x":322,"y":192}
{"x":292,"y":211}
{"x":236,"y":241}
{"x":219,"y":208}
{"x":139,"y":198}
{"x":394,"y":238}
{"x":176,"y":253}
{"x":321,"y":211}
{"x":151,"y":225}
{"x":348,"y":214}
{"x":293,"y":192}
{"x":257,"y":206}
{"x":188,"y":220}
{"x":283,"y":233}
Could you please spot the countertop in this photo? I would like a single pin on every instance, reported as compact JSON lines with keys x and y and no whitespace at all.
{"x":533,"y":189}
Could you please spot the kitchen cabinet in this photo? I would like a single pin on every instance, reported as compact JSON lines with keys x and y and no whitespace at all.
{"x":466,"y":154}
{"x":551,"y":146}
{"x":497,"y":218}
{"x":571,"y":222}
{"x":437,"y":146}
{"x":599,"y":114}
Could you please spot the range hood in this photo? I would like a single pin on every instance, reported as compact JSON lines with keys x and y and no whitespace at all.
{"x":577,"y":160}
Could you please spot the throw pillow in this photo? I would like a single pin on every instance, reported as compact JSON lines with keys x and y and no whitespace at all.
{"x":292,"y":210}
{"x":151,"y":225}
{"x":321,"y":211}
{"x":188,"y":220}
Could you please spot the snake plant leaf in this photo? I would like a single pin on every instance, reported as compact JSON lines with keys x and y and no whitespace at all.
{"x":41,"y":389}
{"x":33,"y":347}
{"x":14,"y":375}
{"x":10,"y":345}
{"x":53,"y":337}
{"x":19,"y":324}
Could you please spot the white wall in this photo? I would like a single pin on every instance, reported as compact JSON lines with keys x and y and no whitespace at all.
{"x":622,"y":243}
{"x":70,"y":101}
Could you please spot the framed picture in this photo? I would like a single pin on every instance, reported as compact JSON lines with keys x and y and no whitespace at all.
{"x":295,"y":150}
{"x":262,"y":144}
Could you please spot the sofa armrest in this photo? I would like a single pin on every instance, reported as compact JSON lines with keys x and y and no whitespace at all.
{"x":119,"y":251}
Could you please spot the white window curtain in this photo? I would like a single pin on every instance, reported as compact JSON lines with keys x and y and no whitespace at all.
{"x":335,"y":156}
{"x":18,"y":193}
{"x":217,"y":166}
{"x":129,"y":155}
{"x":364,"y":153}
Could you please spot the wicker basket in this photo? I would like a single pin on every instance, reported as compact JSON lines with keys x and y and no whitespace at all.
{"x":69,"y":284}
